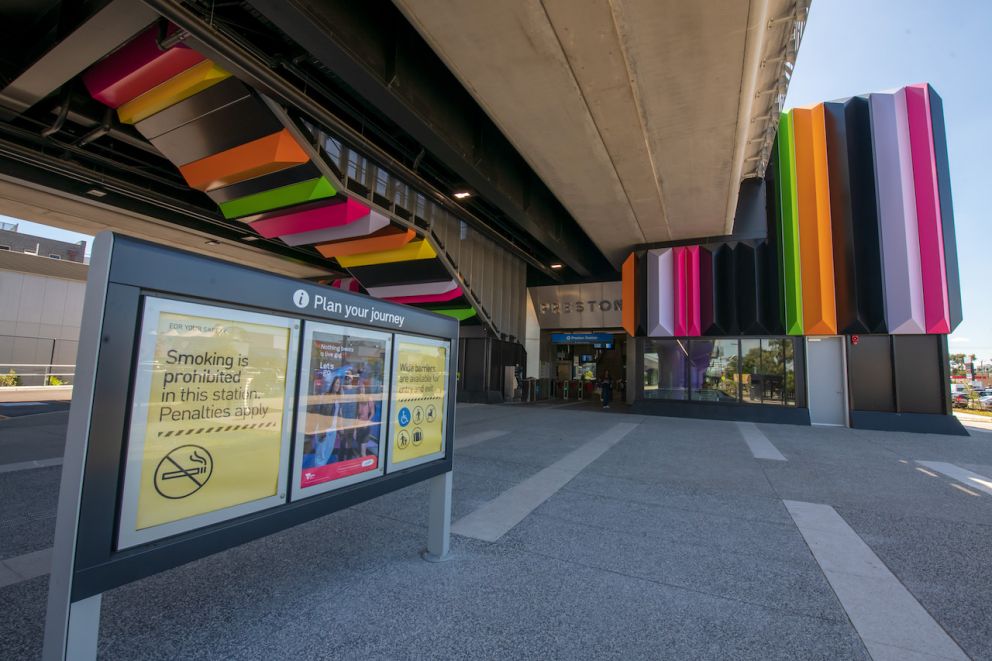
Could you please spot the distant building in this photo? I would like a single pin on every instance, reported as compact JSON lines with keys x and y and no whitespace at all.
{"x":14,"y":241}
{"x":41,"y":305}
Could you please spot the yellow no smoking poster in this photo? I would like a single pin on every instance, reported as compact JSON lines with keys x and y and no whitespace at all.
{"x":420,"y":379}
{"x":209,"y":434}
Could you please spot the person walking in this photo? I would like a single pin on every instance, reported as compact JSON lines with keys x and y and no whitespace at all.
{"x":606,"y":389}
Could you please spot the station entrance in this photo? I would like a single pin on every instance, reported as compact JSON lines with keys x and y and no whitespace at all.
{"x":582,"y":362}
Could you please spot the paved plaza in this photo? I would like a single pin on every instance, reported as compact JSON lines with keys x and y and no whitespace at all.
{"x":579,"y":534}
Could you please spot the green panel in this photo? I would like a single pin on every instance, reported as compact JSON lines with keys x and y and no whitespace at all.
{"x":792,"y":290}
{"x":277,"y":198}
{"x":461,"y":314}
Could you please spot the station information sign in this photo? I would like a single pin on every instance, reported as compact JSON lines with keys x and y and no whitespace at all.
{"x":419,"y":401}
{"x":210,"y":418}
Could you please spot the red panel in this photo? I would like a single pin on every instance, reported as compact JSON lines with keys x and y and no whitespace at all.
{"x":137,"y":67}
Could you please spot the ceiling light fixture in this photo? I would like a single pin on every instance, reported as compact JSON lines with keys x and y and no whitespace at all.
{"x":462,"y":194}
{"x":96,"y":192}
{"x":249,"y":237}
{"x":557,"y":266}
{"x":213,"y":242}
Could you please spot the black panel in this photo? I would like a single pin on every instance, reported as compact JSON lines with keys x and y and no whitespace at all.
{"x":854,"y":218}
{"x":231,"y":126}
{"x":293,"y":175}
{"x":748,"y":294}
{"x":400,"y":273}
{"x":946,"y":208}
{"x":725,"y":291}
{"x":768,"y":284}
{"x":919,"y":377}
{"x":206,"y":101}
{"x":475,"y":358}
{"x":772,"y":311}
{"x":869,"y":373}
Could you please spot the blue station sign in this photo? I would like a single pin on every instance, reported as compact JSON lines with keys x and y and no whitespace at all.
{"x":581,"y":338}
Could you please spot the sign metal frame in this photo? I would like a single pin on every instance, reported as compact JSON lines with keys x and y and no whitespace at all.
{"x":125,"y":271}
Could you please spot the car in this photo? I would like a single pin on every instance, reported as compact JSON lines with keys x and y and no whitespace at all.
{"x":986,"y":402}
{"x":960,"y":400}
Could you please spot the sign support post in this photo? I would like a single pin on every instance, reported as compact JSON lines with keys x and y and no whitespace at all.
{"x":439,"y":519}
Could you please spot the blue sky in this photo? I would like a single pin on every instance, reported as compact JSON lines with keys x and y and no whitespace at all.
{"x":853,"y":47}
{"x":856,"y":47}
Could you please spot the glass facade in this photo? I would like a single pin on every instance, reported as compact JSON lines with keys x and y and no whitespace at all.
{"x":729,"y":371}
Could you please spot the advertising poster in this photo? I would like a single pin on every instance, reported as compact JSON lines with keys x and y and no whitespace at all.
{"x":341,"y":407}
{"x":210,"y":416}
{"x":419,"y":398}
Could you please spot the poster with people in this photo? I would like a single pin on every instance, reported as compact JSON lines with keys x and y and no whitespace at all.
{"x":343,"y":391}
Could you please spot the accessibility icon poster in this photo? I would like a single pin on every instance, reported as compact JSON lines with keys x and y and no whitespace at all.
{"x":210,"y":417}
{"x":419,"y":398}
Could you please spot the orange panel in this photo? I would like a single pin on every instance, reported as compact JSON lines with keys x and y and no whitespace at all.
{"x":252,"y":159}
{"x":815,"y":240}
{"x":628,"y":297}
{"x":388,"y":238}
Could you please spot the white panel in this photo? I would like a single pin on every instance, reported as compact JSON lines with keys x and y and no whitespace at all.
{"x":361,"y":227}
{"x":53,"y":308}
{"x":661,"y":293}
{"x":421,"y":289}
{"x":32,"y":300}
{"x":10,"y":294}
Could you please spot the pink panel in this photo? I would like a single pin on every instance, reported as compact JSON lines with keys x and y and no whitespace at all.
{"x":428,"y":298}
{"x":935,"y":309}
{"x":307,"y":218}
{"x":678,"y":280}
{"x":136,"y":67}
{"x":693,"y":322}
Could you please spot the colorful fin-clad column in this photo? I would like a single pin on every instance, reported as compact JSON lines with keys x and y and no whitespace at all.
{"x":628,"y":290}
{"x":936,"y":314}
{"x":896,"y":195}
{"x":686,"y":299}
{"x":946,"y":208}
{"x":816,"y":245}
{"x":661,"y":293}
{"x":788,"y":226}
{"x":854,"y":217}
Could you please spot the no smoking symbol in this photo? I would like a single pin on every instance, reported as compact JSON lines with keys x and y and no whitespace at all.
{"x":183,"y":471}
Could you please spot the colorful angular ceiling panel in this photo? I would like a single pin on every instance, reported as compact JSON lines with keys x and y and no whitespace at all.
{"x":415,"y":250}
{"x":386,"y":239}
{"x":227,"y":142}
{"x":136,"y":68}
{"x":307,"y":217}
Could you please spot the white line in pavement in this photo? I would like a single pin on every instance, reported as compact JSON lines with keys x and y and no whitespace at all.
{"x":24,"y":567}
{"x":462,"y":442}
{"x":760,"y":446}
{"x":965,"y":477}
{"x":891,"y":622}
{"x":27,"y":465}
{"x":498,"y":516}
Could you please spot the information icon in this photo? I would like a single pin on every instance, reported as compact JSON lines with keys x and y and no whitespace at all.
{"x":403,"y":417}
{"x":418,"y":415}
{"x":431,"y":413}
{"x":418,"y":436}
{"x":403,"y":439}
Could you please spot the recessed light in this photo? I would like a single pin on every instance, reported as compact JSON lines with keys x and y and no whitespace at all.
{"x":96,"y":192}
{"x":213,"y":242}
{"x":249,"y":237}
{"x":557,"y":266}
{"x":462,"y":194}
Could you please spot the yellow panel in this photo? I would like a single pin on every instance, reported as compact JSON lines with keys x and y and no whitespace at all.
{"x":815,"y":236}
{"x":412,"y":250}
{"x":179,"y":87}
